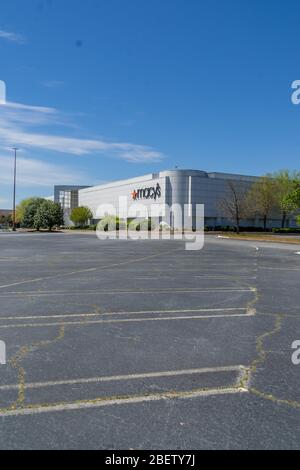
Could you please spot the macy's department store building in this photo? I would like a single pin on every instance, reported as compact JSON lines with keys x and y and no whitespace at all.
{"x":177,"y":188}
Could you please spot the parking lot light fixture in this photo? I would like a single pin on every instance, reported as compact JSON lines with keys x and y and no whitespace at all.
{"x":14,"y":194}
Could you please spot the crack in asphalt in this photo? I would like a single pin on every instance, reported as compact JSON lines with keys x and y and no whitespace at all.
{"x":262,"y":352}
{"x":15,"y":363}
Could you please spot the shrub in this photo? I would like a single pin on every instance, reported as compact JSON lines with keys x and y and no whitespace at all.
{"x":229,"y":228}
{"x":286,"y":230}
{"x":74,"y":227}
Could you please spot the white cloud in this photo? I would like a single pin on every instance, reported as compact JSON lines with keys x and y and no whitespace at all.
{"x":17,"y":120}
{"x":12,"y":37}
{"x":26,"y":107}
{"x":36,"y":173}
{"x":130,"y":152}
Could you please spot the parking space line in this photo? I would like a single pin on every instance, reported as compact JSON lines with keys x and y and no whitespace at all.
{"x":114,"y":378}
{"x":236,"y":388}
{"x":140,"y":312}
{"x":48,"y":278}
{"x":272,"y":268}
{"x":124,"y":292}
{"x":249,"y":313}
{"x":81,"y":405}
{"x":113,"y":265}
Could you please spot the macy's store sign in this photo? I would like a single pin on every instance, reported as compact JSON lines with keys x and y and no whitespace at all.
{"x":147,"y":193}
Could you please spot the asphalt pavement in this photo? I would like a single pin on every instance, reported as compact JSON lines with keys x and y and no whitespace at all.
{"x":120,"y":344}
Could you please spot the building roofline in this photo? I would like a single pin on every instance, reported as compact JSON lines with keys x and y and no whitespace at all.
{"x":166,"y":173}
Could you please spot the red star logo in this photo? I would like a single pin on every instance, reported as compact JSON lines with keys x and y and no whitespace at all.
{"x":134,"y":195}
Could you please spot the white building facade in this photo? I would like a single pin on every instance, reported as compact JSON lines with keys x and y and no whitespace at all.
{"x":174,"y":188}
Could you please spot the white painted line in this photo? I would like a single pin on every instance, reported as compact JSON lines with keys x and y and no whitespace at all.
{"x":122,"y":263}
{"x":279,"y":269}
{"x":125,"y":292}
{"x":114,"y":378}
{"x":47,"y":278}
{"x":133,"y":291}
{"x":81,"y":405}
{"x":250,"y":313}
{"x":297,"y":253}
{"x":140,"y":312}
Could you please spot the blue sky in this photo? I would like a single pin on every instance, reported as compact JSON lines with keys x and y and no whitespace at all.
{"x":99,"y":90}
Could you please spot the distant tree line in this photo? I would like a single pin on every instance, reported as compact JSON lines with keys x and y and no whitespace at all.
{"x":273,"y":195}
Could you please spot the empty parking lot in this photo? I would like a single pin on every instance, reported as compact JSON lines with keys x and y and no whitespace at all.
{"x":141,"y":344}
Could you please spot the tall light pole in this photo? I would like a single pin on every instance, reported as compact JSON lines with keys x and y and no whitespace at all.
{"x":14,"y":199}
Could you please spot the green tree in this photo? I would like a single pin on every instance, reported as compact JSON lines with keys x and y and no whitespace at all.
{"x":31,"y":207}
{"x":21,"y":208}
{"x":48,"y":215}
{"x":285,"y":185}
{"x":262,"y":198}
{"x":295,"y":195}
{"x":81,"y":215}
